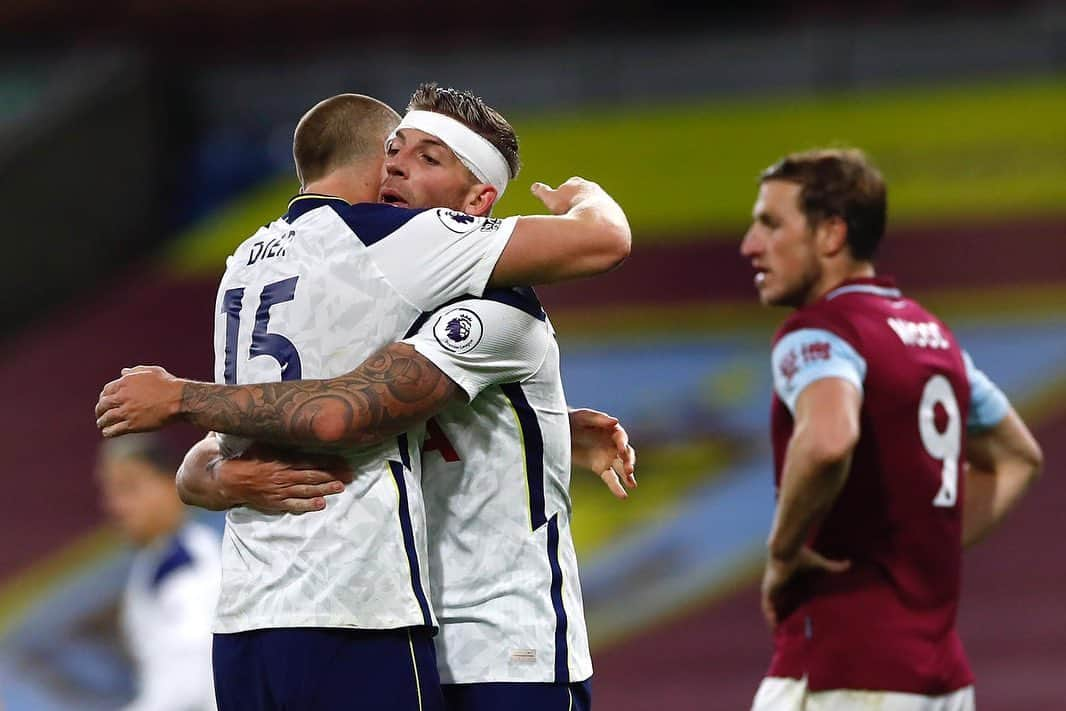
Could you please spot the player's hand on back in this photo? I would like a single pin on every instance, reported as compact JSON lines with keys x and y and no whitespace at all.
{"x":599,"y":443}
{"x":272,"y":480}
{"x":560,"y":200}
{"x":587,"y":233}
{"x":779,"y":573}
{"x":145,"y":398}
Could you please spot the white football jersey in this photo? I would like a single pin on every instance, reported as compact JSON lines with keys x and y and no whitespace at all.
{"x":167,"y":610}
{"x":496,"y":479}
{"x":310,"y":296}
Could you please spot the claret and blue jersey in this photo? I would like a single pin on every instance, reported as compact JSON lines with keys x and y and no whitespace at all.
{"x":888,"y":622}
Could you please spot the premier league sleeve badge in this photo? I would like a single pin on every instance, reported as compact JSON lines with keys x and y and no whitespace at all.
{"x":458,"y":330}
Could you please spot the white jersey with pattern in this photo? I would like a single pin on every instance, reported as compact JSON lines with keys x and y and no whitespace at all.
{"x":310,"y":296}
{"x":497,"y":486}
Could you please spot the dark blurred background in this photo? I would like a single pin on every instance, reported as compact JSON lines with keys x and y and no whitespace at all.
{"x":140,"y":141}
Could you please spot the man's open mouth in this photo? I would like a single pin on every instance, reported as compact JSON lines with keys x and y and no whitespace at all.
{"x":393,"y":197}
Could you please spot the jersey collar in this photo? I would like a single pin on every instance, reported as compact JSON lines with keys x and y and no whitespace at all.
{"x":884,"y":286}
{"x":309,"y":201}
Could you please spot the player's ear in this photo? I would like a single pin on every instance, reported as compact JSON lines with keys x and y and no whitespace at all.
{"x":832,"y":235}
{"x":480,"y":199}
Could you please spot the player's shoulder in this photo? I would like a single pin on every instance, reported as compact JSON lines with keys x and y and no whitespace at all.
{"x":176,"y":557}
{"x":372,"y":222}
{"x":514,"y":310}
{"x":916,"y":311}
{"x":507,"y":301}
{"x":239,"y":257}
{"x":202,"y":541}
{"x":820,"y":316}
{"x":496,"y":305}
{"x":521,"y":298}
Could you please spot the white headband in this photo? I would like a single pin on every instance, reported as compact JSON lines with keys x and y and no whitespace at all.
{"x":482,"y":158}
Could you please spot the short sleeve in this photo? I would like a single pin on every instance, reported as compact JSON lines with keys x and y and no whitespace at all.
{"x":806,"y":355}
{"x":439,"y":255}
{"x":988,"y":404}
{"x":478,"y":343}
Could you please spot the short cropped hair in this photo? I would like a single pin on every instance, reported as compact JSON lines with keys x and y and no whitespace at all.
{"x":838,"y":182}
{"x":475,"y":114}
{"x":339,"y":131}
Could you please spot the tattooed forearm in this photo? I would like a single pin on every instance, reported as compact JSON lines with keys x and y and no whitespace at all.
{"x":392,"y":390}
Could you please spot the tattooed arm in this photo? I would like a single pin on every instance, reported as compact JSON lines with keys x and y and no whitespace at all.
{"x":391,"y":391}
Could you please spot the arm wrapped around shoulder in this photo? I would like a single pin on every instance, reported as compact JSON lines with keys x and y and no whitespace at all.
{"x":586,"y":234}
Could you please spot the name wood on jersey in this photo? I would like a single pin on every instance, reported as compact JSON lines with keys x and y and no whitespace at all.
{"x":921,"y":335}
{"x":270,"y":248}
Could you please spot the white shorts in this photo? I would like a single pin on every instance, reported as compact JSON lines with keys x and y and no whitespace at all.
{"x":780,"y":694}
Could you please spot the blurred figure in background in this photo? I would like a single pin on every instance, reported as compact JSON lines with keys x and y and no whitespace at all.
{"x":891,"y":452}
{"x":169,"y":602}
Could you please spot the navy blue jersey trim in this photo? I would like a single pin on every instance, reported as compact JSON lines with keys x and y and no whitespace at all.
{"x":176,"y":558}
{"x":424,"y":316}
{"x":409,"y":541}
{"x":522,"y":298}
{"x":533,"y":445}
{"x":405,"y":452}
{"x":562,"y":655}
{"x":372,"y":222}
{"x":302,"y":204}
{"x":419,"y":322}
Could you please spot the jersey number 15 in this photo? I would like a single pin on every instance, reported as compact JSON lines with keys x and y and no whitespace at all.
{"x":265,"y":343}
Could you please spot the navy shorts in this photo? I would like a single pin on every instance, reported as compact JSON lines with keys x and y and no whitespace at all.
{"x":311,"y":669}
{"x":514,"y":696}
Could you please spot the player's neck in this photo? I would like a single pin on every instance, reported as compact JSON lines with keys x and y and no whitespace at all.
{"x":168,"y":523}
{"x":836,"y":274}
{"x":350,"y":185}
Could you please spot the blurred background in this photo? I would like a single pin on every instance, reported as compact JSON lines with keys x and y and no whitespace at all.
{"x":141,"y":140}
